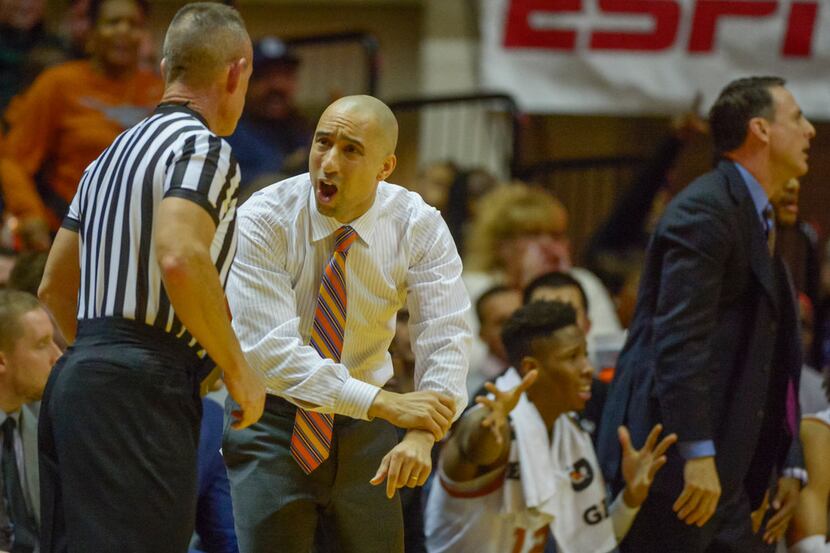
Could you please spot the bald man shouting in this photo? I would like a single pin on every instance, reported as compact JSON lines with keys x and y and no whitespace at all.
{"x":324,"y":262}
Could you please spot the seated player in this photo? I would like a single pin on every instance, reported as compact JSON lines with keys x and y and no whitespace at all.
{"x":807,"y":532}
{"x":519,"y":463}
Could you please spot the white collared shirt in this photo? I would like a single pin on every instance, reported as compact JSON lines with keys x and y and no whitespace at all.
{"x":404,"y":254}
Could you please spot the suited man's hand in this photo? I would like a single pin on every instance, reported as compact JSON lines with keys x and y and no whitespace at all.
{"x":701,"y":492}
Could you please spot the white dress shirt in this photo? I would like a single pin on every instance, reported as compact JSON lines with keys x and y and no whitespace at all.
{"x":404,"y":254}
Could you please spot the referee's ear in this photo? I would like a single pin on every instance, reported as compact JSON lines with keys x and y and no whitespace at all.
{"x":235,"y":73}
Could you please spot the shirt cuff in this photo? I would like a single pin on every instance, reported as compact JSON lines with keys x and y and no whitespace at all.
{"x":695,"y":449}
{"x":797,"y":473}
{"x":355,"y":399}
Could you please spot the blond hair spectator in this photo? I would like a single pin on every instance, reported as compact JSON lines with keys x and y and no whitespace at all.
{"x":521,"y":232}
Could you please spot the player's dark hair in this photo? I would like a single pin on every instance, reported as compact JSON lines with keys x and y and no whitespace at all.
{"x":534,"y":321}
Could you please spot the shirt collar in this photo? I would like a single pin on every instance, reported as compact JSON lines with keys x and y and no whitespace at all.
{"x":756,"y":191}
{"x":14,"y":415}
{"x":180,"y":107}
{"x":322,"y":227}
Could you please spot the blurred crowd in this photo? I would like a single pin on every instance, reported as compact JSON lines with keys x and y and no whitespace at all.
{"x":65,"y":98}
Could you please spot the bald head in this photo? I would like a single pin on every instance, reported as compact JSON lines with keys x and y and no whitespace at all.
{"x":201,"y":40}
{"x":384,"y":121}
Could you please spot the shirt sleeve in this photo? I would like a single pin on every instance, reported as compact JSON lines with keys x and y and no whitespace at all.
{"x":265,"y":319}
{"x":72,"y":219}
{"x":438,"y":307}
{"x":204,"y":172}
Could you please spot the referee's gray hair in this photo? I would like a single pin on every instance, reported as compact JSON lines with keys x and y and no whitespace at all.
{"x":201,"y":39}
{"x":13,"y":305}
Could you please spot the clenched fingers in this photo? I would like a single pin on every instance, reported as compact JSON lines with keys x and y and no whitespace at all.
{"x":688,"y":502}
{"x":695,"y":506}
{"x":704,"y":512}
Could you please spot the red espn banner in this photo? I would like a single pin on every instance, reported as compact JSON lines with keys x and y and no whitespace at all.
{"x":651,"y":56}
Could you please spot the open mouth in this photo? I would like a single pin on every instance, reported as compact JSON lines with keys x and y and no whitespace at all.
{"x":326,"y":191}
{"x":585,"y":392}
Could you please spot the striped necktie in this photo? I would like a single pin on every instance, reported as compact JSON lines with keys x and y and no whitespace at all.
{"x":311,"y":440}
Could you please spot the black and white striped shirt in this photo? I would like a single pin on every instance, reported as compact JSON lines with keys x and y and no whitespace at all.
{"x":170,"y":153}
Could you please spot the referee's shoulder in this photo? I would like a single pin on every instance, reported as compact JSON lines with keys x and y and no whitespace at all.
{"x":280,"y":203}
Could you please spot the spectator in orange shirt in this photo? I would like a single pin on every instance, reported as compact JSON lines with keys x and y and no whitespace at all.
{"x":70,"y":114}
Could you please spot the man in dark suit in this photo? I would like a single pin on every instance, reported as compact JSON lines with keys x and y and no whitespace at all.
{"x":27,"y":353}
{"x":713,"y":351}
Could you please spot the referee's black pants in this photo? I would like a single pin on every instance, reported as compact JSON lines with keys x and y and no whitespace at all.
{"x":118,"y":435}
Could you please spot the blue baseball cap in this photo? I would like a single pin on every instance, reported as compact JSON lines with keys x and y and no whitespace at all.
{"x":271,"y":50}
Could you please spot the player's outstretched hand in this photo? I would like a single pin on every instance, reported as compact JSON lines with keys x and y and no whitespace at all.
{"x":407,"y":464}
{"x":425,"y":410}
{"x":502,"y":403}
{"x":639,"y":466}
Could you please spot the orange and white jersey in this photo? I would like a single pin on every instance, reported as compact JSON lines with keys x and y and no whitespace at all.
{"x":489,"y":515}
{"x":469,"y":517}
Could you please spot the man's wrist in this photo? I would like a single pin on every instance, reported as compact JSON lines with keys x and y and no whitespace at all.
{"x":420,"y":435}
{"x":378,"y":407}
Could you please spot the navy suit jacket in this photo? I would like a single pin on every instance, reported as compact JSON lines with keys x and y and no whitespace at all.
{"x":713,"y":347}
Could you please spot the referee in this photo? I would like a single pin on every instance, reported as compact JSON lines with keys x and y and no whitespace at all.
{"x":135,"y":277}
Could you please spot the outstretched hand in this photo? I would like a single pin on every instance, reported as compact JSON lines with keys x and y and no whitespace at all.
{"x":639,"y":466}
{"x":502,"y":403}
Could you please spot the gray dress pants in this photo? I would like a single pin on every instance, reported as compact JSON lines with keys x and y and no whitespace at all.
{"x":278,"y":508}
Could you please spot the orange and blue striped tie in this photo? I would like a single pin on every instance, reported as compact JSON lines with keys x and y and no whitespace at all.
{"x":311,"y":440}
